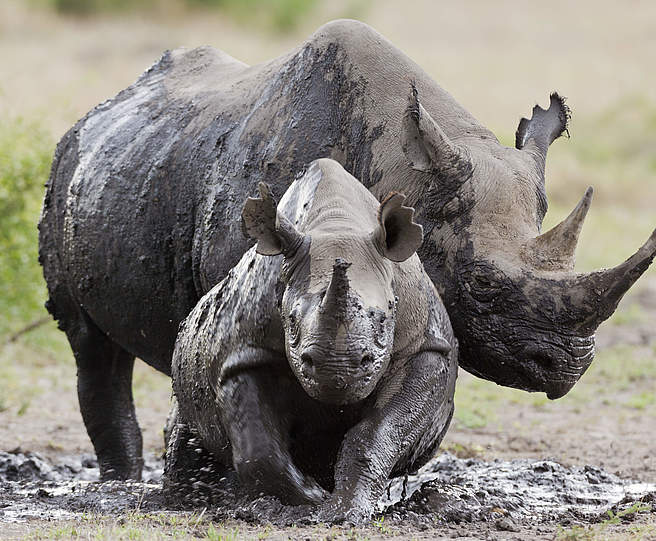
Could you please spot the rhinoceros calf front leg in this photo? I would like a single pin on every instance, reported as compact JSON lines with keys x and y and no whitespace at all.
{"x":255,"y":412}
{"x":410,"y":415}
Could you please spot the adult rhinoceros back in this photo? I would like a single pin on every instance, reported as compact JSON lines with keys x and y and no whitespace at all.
{"x":141,"y":215}
{"x":144,"y":199}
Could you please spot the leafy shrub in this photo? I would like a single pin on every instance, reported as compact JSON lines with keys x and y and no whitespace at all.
{"x":281,"y":15}
{"x":25,"y":155}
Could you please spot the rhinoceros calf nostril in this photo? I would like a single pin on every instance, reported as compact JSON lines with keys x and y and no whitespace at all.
{"x":366,"y":361}
{"x":307,"y":360}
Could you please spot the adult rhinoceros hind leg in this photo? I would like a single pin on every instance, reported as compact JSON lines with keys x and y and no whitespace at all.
{"x":104,"y":389}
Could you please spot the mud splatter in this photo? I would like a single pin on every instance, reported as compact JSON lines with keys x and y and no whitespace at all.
{"x":31,"y":487}
{"x":452,"y":490}
{"x":448,"y":490}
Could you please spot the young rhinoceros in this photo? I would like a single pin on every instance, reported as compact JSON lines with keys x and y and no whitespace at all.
{"x":331,"y":368}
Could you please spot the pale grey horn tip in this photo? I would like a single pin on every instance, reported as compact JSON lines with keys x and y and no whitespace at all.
{"x":586,"y":200}
{"x":651,"y":241}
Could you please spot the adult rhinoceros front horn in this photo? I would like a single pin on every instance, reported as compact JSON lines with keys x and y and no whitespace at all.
{"x":600,"y":292}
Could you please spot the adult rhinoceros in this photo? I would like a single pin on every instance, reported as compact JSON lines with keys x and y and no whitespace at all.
{"x":141,"y":213}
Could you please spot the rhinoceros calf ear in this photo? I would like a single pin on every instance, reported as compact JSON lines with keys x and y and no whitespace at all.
{"x":260,"y":220}
{"x":397,"y":235}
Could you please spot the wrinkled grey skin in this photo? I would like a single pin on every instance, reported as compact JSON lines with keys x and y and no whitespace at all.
{"x":141,"y":214}
{"x":329,"y":368}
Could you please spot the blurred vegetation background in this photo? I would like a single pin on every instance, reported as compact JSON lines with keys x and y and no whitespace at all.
{"x":278,"y":15}
{"x":61,"y":57}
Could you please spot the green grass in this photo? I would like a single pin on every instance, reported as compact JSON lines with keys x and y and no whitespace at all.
{"x":281,"y":15}
{"x":627,"y":371}
{"x":642,"y":401}
{"x":137,"y":526}
{"x":140,"y":526}
{"x":607,"y":529}
{"x":27,"y":365}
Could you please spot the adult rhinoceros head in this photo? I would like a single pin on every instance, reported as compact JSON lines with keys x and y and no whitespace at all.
{"x":338,"y":306}
{"x":523,"y":317}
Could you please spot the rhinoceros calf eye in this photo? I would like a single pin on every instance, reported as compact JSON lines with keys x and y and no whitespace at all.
{"x":294,"y":335}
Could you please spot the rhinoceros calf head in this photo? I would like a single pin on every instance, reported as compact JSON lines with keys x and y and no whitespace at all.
{"x":523,"y":317}
{"x":338,"y":303}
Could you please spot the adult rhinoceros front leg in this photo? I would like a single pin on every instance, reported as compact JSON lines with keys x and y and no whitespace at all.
{"x":255,"y":413}
{"x":408,"y":419}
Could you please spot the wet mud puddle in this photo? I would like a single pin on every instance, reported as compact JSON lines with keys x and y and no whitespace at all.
{"x":446,"y":490}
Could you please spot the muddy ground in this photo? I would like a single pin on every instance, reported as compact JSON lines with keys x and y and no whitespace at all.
{"x":449,"y":496}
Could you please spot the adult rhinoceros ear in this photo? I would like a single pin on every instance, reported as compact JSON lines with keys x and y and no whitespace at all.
{"x":261,"y":220}
{"x":534,"y":135}
{"x":397,"y":236}
{"x":429,"y":149}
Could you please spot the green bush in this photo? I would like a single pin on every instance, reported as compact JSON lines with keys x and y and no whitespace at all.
{"x":85,"y":7}
{"x":25,"y":155}
{"x":281,"y":15}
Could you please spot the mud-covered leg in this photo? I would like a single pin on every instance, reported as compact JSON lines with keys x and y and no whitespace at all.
{"x":405,"y":421}
{"x":256,"y":414}
{"x":104,"y":388}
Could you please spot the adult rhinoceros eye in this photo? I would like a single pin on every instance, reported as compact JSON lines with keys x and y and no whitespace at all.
{"x":482,"y":287}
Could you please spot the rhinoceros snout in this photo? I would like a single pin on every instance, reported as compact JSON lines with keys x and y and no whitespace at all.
{"x":312,"y":357}
{"x":559,"y":389}
{"x":336,"y":378}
